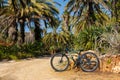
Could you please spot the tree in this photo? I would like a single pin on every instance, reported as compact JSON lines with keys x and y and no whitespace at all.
{"x":115,"y":7}
{"x":114,"y":13}
{"x":56,"y":40}
{"x":32,"y":11}
{"x":86,"y":13}
{"x":7,"y":22}
{"x":45,"y":11}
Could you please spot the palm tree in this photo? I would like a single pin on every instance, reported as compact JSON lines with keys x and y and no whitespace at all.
{"x":7,"y":22}
{"x":114,"y":12}
{"x":33,"y":10}
{"x":56,"y":40}
{"x":37,"y":10}
{"x":115,"y":8}
{"x":47,"y":13}
{"x":86,"y":13}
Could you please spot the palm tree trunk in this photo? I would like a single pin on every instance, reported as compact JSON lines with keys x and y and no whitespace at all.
{"x":22,"y":30}
{"x":91,"y":12}
{"x":37,"y":30}
{"x":1,"y":4}
{"x":16,"y":33}
{"x":11,"y":32}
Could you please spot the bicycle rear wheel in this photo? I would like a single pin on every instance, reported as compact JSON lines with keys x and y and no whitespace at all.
{"x":59,"y":62}
{"x":89,"y":62}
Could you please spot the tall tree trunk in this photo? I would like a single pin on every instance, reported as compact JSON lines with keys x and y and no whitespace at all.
{"x":91,"y":15}
{"x":1,"y":4}
{"x":66,"y":18}
{"x":37,"y":30}
{"x":22,"y":31}
{"x":16,"y":29}
{"x":12,"y":32}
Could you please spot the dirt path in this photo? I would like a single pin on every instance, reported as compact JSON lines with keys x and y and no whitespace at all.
{"x":39,"y":69}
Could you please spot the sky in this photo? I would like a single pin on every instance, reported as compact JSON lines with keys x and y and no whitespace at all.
{"x":61,"y":8}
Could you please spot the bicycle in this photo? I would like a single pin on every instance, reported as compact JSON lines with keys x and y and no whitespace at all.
{"x":88,"y":61}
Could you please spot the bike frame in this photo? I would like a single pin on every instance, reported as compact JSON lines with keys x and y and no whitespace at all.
{"x":78,"y":59}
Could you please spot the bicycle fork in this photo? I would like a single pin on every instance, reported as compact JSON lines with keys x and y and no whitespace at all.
{"x":61,"y":60}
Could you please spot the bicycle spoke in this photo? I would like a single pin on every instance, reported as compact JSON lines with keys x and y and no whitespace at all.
{"x":89,"y":62}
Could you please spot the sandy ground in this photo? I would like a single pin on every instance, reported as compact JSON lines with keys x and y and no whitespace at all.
{"x":40,"y":69}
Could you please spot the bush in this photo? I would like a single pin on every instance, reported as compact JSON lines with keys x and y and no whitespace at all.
{"x":88,"y":38}
{"x":20,"y":52}
{"x":21,"y":55}
{"x":35,"y":49}
{"x":8,"y":52}
{"x":13,"y":57}
{"x":110,"y":42}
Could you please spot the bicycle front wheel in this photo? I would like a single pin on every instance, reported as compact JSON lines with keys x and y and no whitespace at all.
{"x":59,"y":62}
{"x":89,"y":62}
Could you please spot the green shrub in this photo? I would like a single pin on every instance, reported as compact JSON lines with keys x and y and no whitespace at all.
{"x":13,"y":57}
{"x":1,"y":55}
{"x":20,"y":52}
{"x":8,"y":52}
{"x":88,"y":38}
{"x":24,"y":55}
{"x":34,"y":49}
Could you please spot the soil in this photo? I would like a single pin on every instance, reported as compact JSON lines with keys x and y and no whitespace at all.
{"x":40,"y":69}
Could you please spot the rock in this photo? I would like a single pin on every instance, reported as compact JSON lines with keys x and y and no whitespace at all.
{"x":110,"y":63}
{"x":116,"y":69}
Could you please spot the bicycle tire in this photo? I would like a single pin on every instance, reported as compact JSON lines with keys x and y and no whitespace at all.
{"x":86,"y":61}
{"x":61,"y":56}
